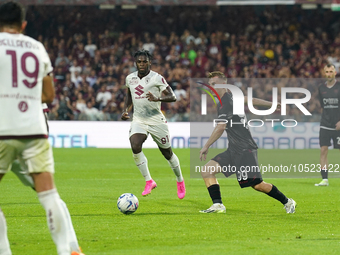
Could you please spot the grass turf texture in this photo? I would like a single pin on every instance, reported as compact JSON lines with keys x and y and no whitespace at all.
{"x":91,"y":180}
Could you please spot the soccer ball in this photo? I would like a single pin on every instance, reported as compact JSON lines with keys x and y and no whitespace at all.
{"x":127,"y":203}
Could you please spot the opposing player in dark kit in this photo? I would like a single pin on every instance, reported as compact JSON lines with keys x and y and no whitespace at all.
{"x":329,"y":95}
{"x":241,"y":154}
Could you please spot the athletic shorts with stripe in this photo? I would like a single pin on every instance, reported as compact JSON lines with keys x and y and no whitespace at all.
{"x":35,"y":155}
{"x":159,"y":133}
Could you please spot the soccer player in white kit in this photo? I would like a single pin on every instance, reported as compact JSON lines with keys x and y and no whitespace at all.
{"x":25,"y":84}
{"x":146,"y":90}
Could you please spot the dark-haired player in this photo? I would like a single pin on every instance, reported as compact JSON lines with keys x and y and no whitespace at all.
{"x":26,"y":83}
{"x":329,"y":95}
{"x":146,"y":90}
{"x":241,"y":155}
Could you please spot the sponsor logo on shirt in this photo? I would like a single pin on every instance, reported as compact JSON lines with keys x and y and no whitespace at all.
{"x":330,"y":101}
{"x":134,"y":81}
{"x":139,"y":90}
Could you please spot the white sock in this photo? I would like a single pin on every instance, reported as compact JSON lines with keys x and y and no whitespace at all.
{"x":142,"y":164}
{"x":174,"y":164}
{"x":56,"y":220}
{"x":4,"y":243}
{"x":72,"y":234}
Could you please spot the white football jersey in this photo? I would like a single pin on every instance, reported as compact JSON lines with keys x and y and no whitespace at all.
{"x":45,"y":107}
{"x":145,"y":111}
{"x":23,"y":65}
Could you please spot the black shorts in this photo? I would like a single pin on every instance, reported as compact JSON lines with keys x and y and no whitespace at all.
{"x":244,"y":165}
{"x":325,"y":137}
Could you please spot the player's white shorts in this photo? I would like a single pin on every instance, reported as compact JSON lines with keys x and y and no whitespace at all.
{"x":35,"y":155}
{"x":159,"y":133}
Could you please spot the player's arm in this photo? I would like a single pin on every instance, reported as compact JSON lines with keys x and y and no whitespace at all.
{"x":216,"y":134}
{"x":48,"y":92}
{"x":167,"y":96}
{"x":320,"y":98}
{"x":337,"y":125}
{"x":261,"y":102}
{"x":127,"y":105}
{"x":258,"y":102}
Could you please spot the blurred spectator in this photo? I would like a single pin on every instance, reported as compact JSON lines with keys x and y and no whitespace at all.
{"x":103,"y":96}
{"x":61,"y":57}
{"x":64,"y":109}
{"x":93,"y":113}
{"x":80,"y":54}
{"x":74,"y":69}
{"x":179,"y":92}
{"x":149,"y":45}
{"x":90,"y":47}
{"x":80,"y":103}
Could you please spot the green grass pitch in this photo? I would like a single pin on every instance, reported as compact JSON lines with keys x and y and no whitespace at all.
{"x":90,"y":181}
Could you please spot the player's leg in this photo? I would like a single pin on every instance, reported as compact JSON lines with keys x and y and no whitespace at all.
{"x":19,"y":168}
{"x":208,"y":174}
{"x":27,"y":180}
{"x":173,"y":162}
{"x":176,"y":168}
{"x":249,"y":175}
{"x":22,"y":174}
{"x":8,"y":153}
{"x":4,"y":243}
{"x":136,"y":141}
{"x":325,"y":141}
{"x":220,"y":163}
{"x":70,"y":229}
{"x":39,"y":160}
{"x":272,"y":191}
{"x":327,"y":136}
{"x":324,"y":166}
{"x":160,"y":134}
{"x":138,"y":134}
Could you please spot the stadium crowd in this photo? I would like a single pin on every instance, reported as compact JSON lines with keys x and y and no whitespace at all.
{"x":91,"y":51}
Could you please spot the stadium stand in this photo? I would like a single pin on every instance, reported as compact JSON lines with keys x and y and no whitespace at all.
{"x":91,"y":50}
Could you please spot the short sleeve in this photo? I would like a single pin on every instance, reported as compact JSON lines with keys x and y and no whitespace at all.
{"x":162,"y":84}
{"x":46,"y":61}
{"x":320,"y":97}
{"x":126,"y":82}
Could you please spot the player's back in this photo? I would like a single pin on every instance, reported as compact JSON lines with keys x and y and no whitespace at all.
{"x":23,"y":65}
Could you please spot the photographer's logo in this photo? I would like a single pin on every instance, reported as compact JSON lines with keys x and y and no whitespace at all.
{"x":238,"y":100}
{"x":204,"y":97}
